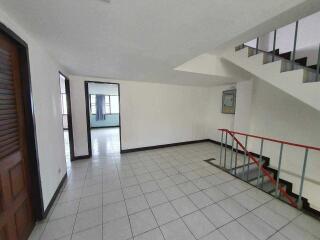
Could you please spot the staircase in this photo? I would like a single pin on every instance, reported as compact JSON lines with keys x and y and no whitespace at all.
{"x":255,"y":168}
{"x":291,"y":77}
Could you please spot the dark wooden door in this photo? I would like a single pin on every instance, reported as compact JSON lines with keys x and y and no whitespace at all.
{"x":16,"y":214}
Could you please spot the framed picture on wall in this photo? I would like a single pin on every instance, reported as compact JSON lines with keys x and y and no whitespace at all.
{"x":229,"y":101}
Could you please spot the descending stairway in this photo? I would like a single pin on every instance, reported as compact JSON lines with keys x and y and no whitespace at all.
{"x":246,"y":167}
{"x":291,"y":77}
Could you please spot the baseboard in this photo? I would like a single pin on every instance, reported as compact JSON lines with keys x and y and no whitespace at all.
{"x":163,"y":146}
{"x":55,"y":195}
{"x":104,"y":127}
{"x":81,"y":157}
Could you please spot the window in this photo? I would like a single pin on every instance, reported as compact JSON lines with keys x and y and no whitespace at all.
{"x":114,"y":100}
{"x":107,"y":104}
{"x":93,"y":107}
{"x":111,"y":104}
{"x":63,"y":95}
{"x":64,"y":106}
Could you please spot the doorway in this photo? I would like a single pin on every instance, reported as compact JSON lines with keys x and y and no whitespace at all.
{"x":20,"y":198}
{"x":103,"y":118}
{"x":66,"y":118}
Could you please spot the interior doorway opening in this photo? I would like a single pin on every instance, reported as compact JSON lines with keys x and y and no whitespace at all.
{"x":66,"y":118}
{"x":104,"y":118}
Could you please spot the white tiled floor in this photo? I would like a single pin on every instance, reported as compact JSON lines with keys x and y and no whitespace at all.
{"x":165,"y":194}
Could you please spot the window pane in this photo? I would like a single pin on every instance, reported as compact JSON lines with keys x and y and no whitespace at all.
{"x":93,"y":110}
{"x":64,"y":104}
{"x":93,"y":99}
{"x":108,"y":109}
{"x":106,"y":99}
{"x":114,"y":104}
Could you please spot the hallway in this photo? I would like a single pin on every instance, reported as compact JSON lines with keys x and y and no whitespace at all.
{"x":169,"y":194}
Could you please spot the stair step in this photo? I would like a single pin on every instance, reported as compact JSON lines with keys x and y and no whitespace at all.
{"x":286,"y":55}
{"x":314,"y":67}
{"x":276,"y":52}
{"x":302,"y":61}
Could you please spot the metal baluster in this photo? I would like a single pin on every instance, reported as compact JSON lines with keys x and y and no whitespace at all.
{"x":232,"y":148}
{"x":274,"y":44}
{"x":318,"y":66}
{"x":244,"y":156}
{"x":295,"y":44}
{"x":279,"y":166}
{"x":225,"y":150}
{"x":260,"y":162}
{"x":257,"y":45}
{"x":236,"y":160}
{"x":221,"y":147}
{"x":302,"y":177}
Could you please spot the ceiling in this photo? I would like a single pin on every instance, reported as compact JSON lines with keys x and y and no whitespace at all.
{"x":139,"y":40}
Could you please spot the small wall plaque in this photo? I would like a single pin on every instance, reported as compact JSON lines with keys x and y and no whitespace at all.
{"x":229,"y":101}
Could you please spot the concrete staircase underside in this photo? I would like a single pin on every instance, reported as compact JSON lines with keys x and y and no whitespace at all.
{"x":295,"y":82}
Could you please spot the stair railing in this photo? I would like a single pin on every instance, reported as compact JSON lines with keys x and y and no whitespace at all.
{"x":294,"y":36}
{"x":259,"y":162}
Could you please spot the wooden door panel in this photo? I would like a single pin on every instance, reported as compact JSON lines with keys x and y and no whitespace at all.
{"x":16,"y":215}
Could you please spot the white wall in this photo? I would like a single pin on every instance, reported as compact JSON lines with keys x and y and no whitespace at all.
{"x":278,"y":115}
{"x":151,"y":113}
{"x":47,"y":109}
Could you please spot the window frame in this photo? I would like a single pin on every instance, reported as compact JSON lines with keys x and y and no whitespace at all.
{"x":106,"y":96}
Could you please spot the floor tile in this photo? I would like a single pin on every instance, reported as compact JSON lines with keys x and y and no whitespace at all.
{"x":112,"y":197}
{"x":165,"y":183}
{"x":283,"y":209}
{"x":88,"y":219}
{"x":200,"y":199}
{"x":164,"y":213}
{"x":293,"y":232}
{"x":149,"y":186}
{"x":117,"y":230}
{"x":198,"y":224}
{"x":184,"y":206}
{"x":201,"y":183}
{"x":228,"y":188}
{"x":146,"y":177}
{"x":232,"y":207}
{"x":246,"y":201}
{"x":132,"y":191}
{"x":256,"y":226}
{"x":273,"y":219}
{"x":113,"y":211}
{"x":216,"y":235}
{"x":156,"y":198}
{"x":188,"y":188}
{"x":215,"y":194}
{"x":173,"y":193}
{"x":176,"y":230}
{"x":92,"y":234}
{"x":64,"y":209}
{"x":179,"y":178}
{"x":234,"y":231}
{"x":90,"y":202}
{"x":58,"y":228}
{"x":308,"y":224}
{"x":217,"y":215}
{"x":136,"y":204}
{"x":142,"y":222}
{"x":150,"y":235}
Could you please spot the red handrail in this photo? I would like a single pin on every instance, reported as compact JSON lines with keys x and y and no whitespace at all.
{"x":264,"y":171}
{"x":272,"y":140}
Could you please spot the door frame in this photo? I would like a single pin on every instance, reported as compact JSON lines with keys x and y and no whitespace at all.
{"x":30,"y":123}
{"x":86,"y":90}
{"x":69,"y":115}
